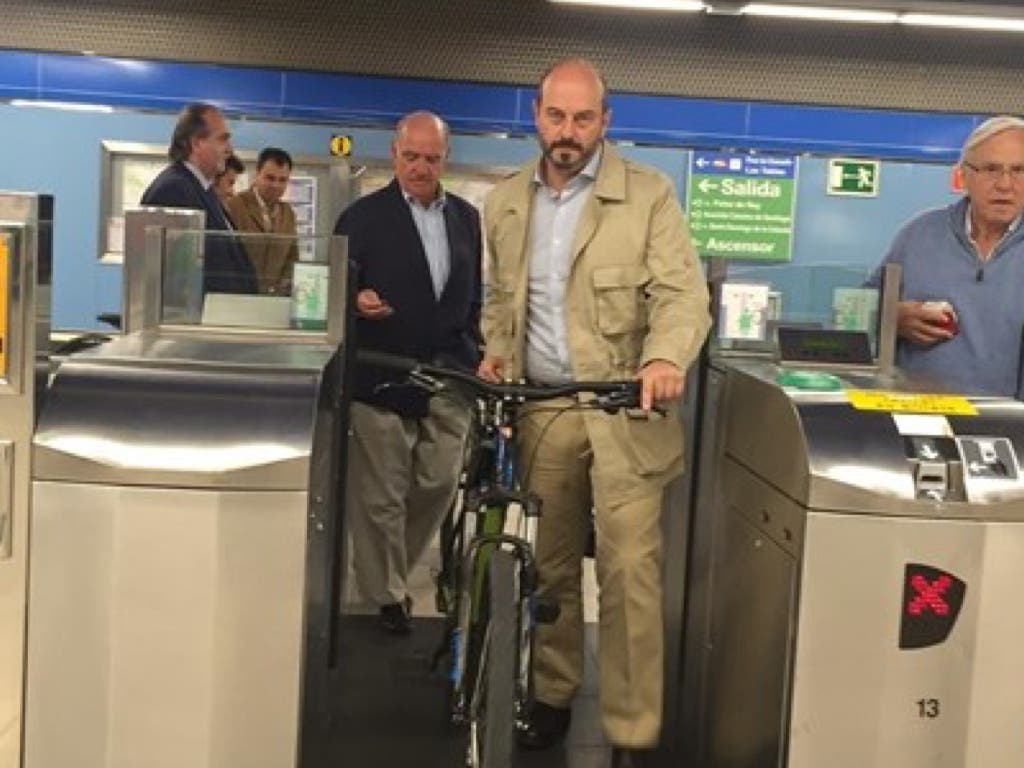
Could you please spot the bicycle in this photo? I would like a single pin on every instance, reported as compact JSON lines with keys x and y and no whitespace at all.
{"x":486,"y":588}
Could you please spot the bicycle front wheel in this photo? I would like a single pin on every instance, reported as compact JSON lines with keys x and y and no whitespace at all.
{"x":493,"y":722}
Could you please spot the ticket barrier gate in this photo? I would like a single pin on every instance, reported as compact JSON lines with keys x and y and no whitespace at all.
{"x":861,"y":587}
{"x":25,"y":237}
{"x":183,"y":545}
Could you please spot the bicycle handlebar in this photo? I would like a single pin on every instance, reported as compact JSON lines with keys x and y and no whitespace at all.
{"x":618,"y":394}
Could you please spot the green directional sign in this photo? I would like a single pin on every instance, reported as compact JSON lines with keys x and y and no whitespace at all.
{"x":855,"y":178}
{"x":742,"y":206}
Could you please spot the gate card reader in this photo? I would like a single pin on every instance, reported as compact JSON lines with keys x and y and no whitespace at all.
{"x":988,"y":457}
{"x":935,"y":462}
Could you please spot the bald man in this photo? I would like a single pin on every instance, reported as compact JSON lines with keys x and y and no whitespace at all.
{"x":417,"y":250}
{"x":591,"y":275}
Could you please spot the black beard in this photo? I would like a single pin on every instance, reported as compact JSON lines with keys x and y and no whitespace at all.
{"x":563,"y":161}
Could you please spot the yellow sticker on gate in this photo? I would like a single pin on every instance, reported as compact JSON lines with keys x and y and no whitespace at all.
{"x":906,"y":402}
{"x":4,"y":287}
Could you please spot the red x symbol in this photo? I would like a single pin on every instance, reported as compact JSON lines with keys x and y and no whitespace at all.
{"x":929,"y":595}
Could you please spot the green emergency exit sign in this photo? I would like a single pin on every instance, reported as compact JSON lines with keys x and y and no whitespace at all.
{"x":856,"y":178}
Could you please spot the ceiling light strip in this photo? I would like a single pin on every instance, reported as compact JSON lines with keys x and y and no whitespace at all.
{"x":819,"y":13}
{"x":685,"y":6}
{"x":822,"y":13}
{"x":956,"y":21}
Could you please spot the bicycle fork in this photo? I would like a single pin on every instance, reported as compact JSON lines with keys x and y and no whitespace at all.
{"x":470,"y":602}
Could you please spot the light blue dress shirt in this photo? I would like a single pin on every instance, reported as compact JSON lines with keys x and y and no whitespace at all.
{"x":554,"y":221}
{"x":434,"y":236}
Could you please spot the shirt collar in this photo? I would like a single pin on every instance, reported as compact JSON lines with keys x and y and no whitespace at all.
{"x":436,"y":204}
{"x":263,"y":203}
{"x":200,"y":177}
{"x":969,"y":228}
{"x":589,"y":171}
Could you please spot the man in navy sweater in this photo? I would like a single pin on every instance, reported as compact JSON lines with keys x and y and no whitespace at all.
{"x":199,"y":150}
{"x":416,"y":248}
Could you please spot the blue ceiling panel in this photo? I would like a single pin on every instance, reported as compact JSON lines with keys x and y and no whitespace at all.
{"x":19,"y":74}
{"x":95,"y":78}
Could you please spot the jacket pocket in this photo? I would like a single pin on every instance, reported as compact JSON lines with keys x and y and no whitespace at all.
{"x":619,"y":298}
{"x":652,"y":444}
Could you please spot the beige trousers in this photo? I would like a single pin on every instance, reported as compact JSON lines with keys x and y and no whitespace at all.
{"x":560,"y":467}
{"x":402,"y":476}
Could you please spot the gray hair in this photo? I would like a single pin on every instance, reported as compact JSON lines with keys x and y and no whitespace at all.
{"x":988,"y":129}
{"x":421,"y":115}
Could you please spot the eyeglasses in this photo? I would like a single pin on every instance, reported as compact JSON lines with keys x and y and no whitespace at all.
{"x":993,"y":172}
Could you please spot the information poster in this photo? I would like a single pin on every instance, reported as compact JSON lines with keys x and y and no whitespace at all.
{"x":855,"y":309}
{"x":742,"y":206}
{"x":301,"y":195}
{"x":744,"y":311}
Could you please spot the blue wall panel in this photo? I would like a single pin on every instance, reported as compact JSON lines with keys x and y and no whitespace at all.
{"x":871,"y":132}
{"x":316,"y":96}
{"x":472,"y":107}
{"x":664,"y":119}
{"x":160,"y":85}
{"x":19,"y":74}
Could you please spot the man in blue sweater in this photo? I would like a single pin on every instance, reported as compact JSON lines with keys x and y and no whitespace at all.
{"x":962,"y":310}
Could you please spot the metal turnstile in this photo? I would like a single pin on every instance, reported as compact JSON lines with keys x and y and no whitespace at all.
{"x":183,"y":546}
{"x":25,"y":237}
{"x":858,"y":598}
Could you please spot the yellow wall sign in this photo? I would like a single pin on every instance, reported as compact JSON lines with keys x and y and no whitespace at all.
{"x":5,"y":261}
{"x":904,"y":402}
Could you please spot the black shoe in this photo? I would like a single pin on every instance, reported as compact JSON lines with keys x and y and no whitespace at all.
{"x":632,"y":758}
{"x":546,"y":726}
{"x":394,"y":618}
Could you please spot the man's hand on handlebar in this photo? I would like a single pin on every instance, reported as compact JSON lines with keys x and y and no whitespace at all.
{"x":660,"y":380}
{"x":492,"y":369}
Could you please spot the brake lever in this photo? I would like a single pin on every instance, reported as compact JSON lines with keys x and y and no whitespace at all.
{"x":414,"y":378}
{"x":617,"y":401}
{"x":427,"y":382}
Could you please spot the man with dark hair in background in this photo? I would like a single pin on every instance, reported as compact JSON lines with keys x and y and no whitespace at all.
{"x":261,"y":210}
{"x":417,"y":250}
{"x":200,"y":147}
{"x":591,"y":274}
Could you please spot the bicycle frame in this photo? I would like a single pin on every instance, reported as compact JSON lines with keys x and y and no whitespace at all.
{"x":490,"y":493}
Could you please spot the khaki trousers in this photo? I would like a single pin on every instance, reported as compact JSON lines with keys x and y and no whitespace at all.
{"x":560,"y":466}
{"x":402,"y":476}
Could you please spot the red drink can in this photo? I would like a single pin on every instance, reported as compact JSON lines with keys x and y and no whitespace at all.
{"x":949,"y":322}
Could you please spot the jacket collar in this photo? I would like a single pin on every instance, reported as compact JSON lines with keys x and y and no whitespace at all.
{"x":200,"y":177}
{"x":611,"y":176}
